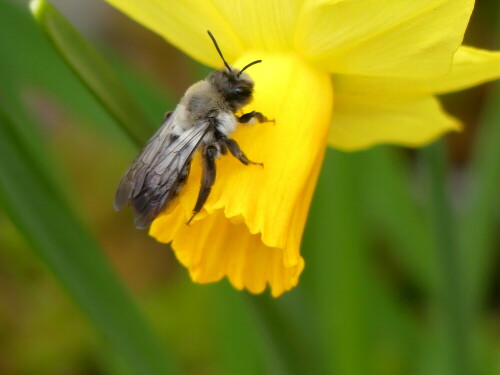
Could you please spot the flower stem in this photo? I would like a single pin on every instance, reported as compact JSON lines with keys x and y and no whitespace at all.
{"x":453,"y":306}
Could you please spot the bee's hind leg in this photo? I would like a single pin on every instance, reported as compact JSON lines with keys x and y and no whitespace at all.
{"x":208,"y":156}
{"x":235,"y":150}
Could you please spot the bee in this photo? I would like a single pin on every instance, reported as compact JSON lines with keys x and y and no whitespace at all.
{"x":203,"y":121}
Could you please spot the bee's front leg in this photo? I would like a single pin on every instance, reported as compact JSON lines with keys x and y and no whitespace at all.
{"x":251,"y":117}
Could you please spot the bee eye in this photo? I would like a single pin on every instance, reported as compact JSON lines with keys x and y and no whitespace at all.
{"x":242,"y":91}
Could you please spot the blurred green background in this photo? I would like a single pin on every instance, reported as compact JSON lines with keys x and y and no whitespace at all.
{"x":377,"y":295}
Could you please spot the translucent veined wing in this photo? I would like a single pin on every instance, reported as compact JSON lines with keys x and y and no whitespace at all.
{"x":158,"y":173}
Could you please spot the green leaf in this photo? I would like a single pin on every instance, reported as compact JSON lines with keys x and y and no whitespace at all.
{"x":394,"y":214}
{"x":58,"y":238}
{"x":452,"y":306}
{"x":336,"y":273}
{"x":478,"y":234}
{"x":289,"y":342}
{"x":232,"y":319}
{"x":363,"y":327}
{"x":93,"y":71}
{"x":478,"y":224}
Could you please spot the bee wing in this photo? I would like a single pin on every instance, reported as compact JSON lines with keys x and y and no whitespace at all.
{"x":142,"y":161}
{"x":155,"y":177}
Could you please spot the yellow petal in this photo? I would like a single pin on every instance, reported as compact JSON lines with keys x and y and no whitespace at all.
{"x":237,"y":25}
{"x":262,"y":24}
{"x":398,"y":38}
{"x":362,"y":121}
{"x":184,"y":24}
{"x":471,"y":67}
{"x":251,"y":226}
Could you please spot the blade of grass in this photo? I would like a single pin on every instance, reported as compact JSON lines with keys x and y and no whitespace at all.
{"x":478,"y":237}
{"x":287,"y":341}
{"x":59,"y":240}
{"x":336,"y":269}
{"x":359,"y":315}
{"x":398,"y":334}
{"x":22,"y":76}
{"x":93,"y":71}
{"x":478,"y":234}
{"x":397,"y":218}
{"x":233,"y":320}
{"x":395,"y":215}
{"x":49,"y":78}
{"x":452,"y":305}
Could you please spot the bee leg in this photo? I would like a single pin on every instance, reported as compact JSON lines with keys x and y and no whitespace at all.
{"x":223,"y":148}
{"x":235,"y":150}
{"x":250,"y":118}
{"x":207,"y":179}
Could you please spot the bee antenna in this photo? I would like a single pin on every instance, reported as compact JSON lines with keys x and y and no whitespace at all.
{"x":218,"y":50}
{"x":248,"y":66}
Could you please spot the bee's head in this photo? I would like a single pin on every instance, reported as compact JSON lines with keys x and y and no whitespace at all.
{"x":235,"y":85}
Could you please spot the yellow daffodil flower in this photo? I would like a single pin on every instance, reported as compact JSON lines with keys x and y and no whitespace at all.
{"x":344,"y":73}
